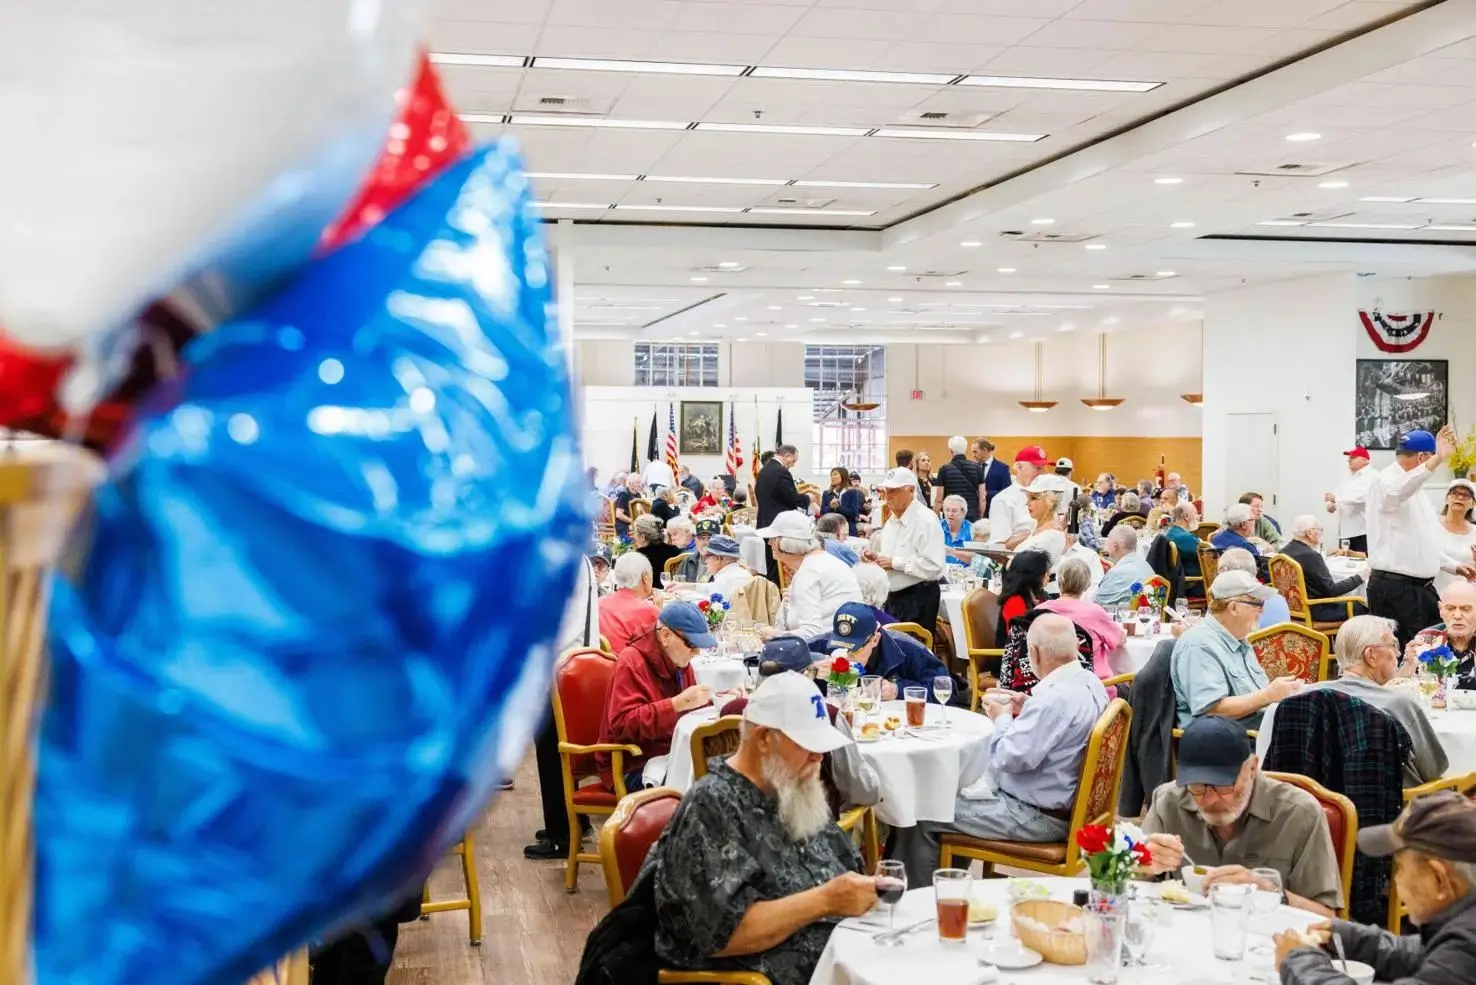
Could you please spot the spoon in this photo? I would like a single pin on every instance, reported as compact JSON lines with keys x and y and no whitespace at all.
{"x":1338,"y":946}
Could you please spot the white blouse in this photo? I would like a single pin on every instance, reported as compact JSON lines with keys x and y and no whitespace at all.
{"x":822,"y":584}
{"x":1454,"y":546}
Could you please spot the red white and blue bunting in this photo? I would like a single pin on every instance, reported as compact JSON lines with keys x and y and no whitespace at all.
{"x":1397,"y":333}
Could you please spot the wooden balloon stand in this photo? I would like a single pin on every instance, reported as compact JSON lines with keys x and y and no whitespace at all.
{"x":43,"y":487}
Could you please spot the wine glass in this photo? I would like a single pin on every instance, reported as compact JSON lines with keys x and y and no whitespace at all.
{"x":891,"y":883}
{"x":1145,"y":616}
{"x":1181,"y":608}
{"x":942,"y":692}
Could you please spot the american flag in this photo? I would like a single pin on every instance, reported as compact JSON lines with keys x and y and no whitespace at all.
{"x":735,"y":447}
{"x":671,"y":438}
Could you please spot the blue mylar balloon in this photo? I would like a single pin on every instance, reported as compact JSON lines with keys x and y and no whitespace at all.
{"x":314,"y":622}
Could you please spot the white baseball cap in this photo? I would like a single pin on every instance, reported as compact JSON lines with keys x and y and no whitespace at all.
{"x":790,"y":523}
{"x":1046,"y":482}
{"x":1237,"y":584}
{"x":898,"y":479}
{"x":791,"y":703}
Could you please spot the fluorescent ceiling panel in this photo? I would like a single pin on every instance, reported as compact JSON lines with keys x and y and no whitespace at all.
{"x":925,"y":134}
{"x":847,"y":75}
{"x":595,"y":121}
{"x":619,"y":65}
{"x":778,"y":128}
{"x":478,"y":61}
{"x":1083,"y":85}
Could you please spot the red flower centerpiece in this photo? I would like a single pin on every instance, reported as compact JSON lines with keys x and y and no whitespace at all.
{"x":1112,"y":855}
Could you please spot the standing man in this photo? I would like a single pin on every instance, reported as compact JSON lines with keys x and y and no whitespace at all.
{"x":1403,"y":550}
{"x":910,"y":551}
{"x":775,"y":493}
{"x":1351,"y":500}
{"x":962,"y":478}
{"x":689,"y":482}
{"x":658,"y":475}
{"x":1009,"y":518}
{"x":996,"y":473}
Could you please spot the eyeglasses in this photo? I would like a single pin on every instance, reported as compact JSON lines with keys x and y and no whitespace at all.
{"x":1254,"y":603}
{"x":1200,"y":789}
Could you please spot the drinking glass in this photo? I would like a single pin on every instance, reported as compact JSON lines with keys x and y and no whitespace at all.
{"x":942,"y":691}
{"x":1142,"y":922}
{"x":951,"y":891}
{"x":1264,"y":903}
{"x":1103,"y":926}
{"x":868,"y":697}
{"x":1229,"y":916}
{"x":891,"y":883}
{"x":917,"y":706}
{"x":1181,"y":609}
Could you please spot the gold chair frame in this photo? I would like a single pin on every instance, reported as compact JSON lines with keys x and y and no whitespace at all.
{"x":972,"y":650}
{"x":914,"y":630}
{"x":1304,"y":614}
{"x":1324,"y":660}
{"x":472,"y":902}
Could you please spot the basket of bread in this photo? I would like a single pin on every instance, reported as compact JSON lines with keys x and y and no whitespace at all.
{"x":1052,"y":928}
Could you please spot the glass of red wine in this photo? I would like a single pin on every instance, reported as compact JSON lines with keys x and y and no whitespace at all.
{"x":891,"y":883}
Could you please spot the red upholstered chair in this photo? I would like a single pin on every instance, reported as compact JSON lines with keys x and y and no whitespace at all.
{"x":581,"y":685}
{"x":1291,"y":650}
{"x":1342,"y":823}
{"x":1289,"y":580}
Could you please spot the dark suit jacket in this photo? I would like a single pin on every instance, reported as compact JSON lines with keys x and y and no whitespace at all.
{"x":1320,"y":584}
{"x":997,"y":479}
{"x":776,"y":492}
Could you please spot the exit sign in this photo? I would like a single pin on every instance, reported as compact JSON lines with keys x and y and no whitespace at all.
{"x":917,"y":395}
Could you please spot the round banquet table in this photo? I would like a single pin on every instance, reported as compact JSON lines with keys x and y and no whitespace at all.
{"x":1135,"y":652}
{"x":1179,"y":953}
{"x":1457,"y":731}
{"x":920,"y":774}
{"x":720,"y":673}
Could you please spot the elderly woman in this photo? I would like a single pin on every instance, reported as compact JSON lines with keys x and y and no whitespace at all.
{"x":956,"y":531}
{"x":819,"y":583}
{"x":1041,"y":499}
{"x":1457,"y":535}
{"x":664,"y":504}
{"x":652,"y":545}
{"x":1073,"y":578}
{"x":874,"y":590}
{"x":1127,"y":506}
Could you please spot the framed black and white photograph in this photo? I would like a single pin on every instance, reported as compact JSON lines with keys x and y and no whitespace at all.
{"x":702,"y":427}
{"x":1398,"y":395}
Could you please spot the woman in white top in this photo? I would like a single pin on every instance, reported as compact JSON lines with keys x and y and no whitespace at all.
{"x":1047,"y":535}
{"x":819,"y":583}
{"x":1457,"y":533}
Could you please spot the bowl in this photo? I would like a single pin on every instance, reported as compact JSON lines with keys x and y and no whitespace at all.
{"x":1038,"y":923}
{"x":1194,"y":878}
{"x":1461,"y":700}
{"x":1361,"y":973}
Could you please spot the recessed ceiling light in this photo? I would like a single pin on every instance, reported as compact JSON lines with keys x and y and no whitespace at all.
{"x":1042,"y":222}
{"x":1166,"y":273}
{"x":1303,"y":137}
{"x":1004,"y":270}
{"x":848,"y":75}
{"x":985,"y":339}
{"x":729,"y":264}
{"x":782,"y":128}
{"x":1085,"y":85}
{"x":761,"y":334}
{"x":1168,"y":180}
{"x":817,"y":319}
{"x":851,"y":282}
{"x":691,"y":333}
{"x":741,"y":318}
{"x":776,"y":307}
{"x":477,"y":61}
{"x":897,"y":268}
{"x":621,"y":65}
{"x":1096,"y":246}
{"x":1111,"y":320}
{"x":791,"y":325}
{"x":954,"y":283}
{"x":1332,"y":184}
{"x":1181,"y":225}
{"x":699,"y":280}
{"x":1017,"y":335}
{"x":1101,"y":287}
{"x":580,"y":176}
{"x":1446,"y":201}
{"x":969,"y":244}
{"x":530,"y":120}
{"x":720,"y":326}
{"x":895,"y":300}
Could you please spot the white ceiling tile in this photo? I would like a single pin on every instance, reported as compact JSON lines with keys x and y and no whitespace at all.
{"x":960,"y":58}
{"x":663,"y":97}
{"x":1199,"y":38}
{"x":566,"y":41}
{"x":1038,"y":62}
{"x":482,"y":37}
{"x":523,"y":12}
{"x":741,"y":18}
{"x":1460,"y":119}
{"x":646,"y":15}
{"x":1293,"y":42}
{"x":806,"y":52}
{"x":908,"y":6}
{"x":942,"y":28}
{"x":838,"y":23}
{"x":1117,"y":35}
{"x":779,"y":155}
{"x":1262,"y":13}
{"x":1143,"y":11}
{"x":1012,"y":8}
{"x":1356,"y":14}
{"x":966,"y":100}
{"x":722,"y":48}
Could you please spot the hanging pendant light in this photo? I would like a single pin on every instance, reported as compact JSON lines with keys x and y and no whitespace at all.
{"x":1101,"y":401}
{"x":1038,"y":405}
{"x":856,"y":401}
{"x":1197,"y":399}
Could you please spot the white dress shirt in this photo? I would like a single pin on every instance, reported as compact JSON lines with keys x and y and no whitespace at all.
{"x":1352,"y":494}
{"x":822,"y":584}
{"x":1403,"y":532}
{"x":1008,"y":514}
{"x":914,"y":542}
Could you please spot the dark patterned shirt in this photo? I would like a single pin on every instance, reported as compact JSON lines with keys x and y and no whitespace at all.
{"x":724,"y":852}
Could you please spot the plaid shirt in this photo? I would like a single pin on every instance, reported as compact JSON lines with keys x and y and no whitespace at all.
{"x":1354,"y":749}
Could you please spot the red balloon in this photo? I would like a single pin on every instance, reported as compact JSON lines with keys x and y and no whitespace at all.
{"x":427,"y":137}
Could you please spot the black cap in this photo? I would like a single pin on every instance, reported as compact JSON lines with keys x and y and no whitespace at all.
{"x":785,"y":653}
{"x":601,"y":552}
{"x":707,"y":527}
{"x":1213,"y":750}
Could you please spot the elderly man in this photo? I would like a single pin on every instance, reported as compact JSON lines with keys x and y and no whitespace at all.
{"x":1434,"y":847}
{"x":651,"y":688}
{"x":1215,"y":671}
{"x":1240,"y":527}
{"x":962,"y":478}
{"x":1223,"y":813}
{"x":1034,"y":756}
{"x":832,"y":529}
{"x":1305,"y":548}
{"x":1275,"y":611}
{"x":1267,"y":529}
{"x":693,"y":567}
{"x":899,"y":660}
{"x":623,"y":517}
{"x":752,"y":874}
{"x":1129,"y":568}
{"x":1173,"y":481}
{"x":1351,"y":500}
{"x":818,"y":583}
{"x":1181,"y":533}
{"x":627,"y":612}
{"x":1009,"y":515}
{"x":658,"y":474}
{"x":600,"y":558}
{"x":689,"y":482}
{"x":724,"y":571}
{"x":910,"y":551}
{"x":1456,"y":630}
{"x":1368,"y":656}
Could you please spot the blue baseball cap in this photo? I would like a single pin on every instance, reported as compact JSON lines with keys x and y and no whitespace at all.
{"x":785,"y":653}
{"x":855,"y":623}
{"x":1417,"y":441}
{"x":723,"y":546}
{"x":688,"y":620}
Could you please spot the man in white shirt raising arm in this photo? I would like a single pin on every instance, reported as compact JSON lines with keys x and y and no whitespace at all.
{"x":910,"y":550}
{"x":1351,"y":500}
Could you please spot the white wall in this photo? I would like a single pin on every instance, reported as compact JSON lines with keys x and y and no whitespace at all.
{"x":1286,"y":349}
{"x":611,"y":412}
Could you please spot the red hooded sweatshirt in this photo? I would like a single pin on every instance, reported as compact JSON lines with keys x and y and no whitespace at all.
{"x":638,"y":709}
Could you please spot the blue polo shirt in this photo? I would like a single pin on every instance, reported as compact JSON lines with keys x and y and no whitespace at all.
{"x":1209,"y":664}
{"x":965,"y":534}
{"x":1225,"y":539}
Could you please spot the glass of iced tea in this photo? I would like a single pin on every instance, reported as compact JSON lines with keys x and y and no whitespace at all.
{"x":952,"y":889}
{"x":917,"y":706}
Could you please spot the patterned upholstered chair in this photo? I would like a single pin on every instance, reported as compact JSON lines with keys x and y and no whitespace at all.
{"x":625,"y":841}
{"x":745,"y":517}
{"x":1342,"y":823}
{"x":581,"y":685}
{"x":1288,"y":579}
{"x":1209,"y":564}
{"x":638,"y":508}
{"x":1096,"y":803}
{"x":1292,"y":650}
{"x":1135,"y":521}
{"x":980,"y":615}
{"x":912,"y":629}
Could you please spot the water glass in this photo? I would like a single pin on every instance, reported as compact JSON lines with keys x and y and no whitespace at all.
{"x":1181,"y":609}
{"x":1230,"y":908}
{"x":1142,"y":921}
{"x":1103,"y":925}
{"x":942,"y":692}
{"x":952,"y":889}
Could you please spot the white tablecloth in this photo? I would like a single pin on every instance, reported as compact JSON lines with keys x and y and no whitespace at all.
{"x":750,"y":548}
{"x":953,"y":599}
{"x":919,"y":776}
{"x":1135,"y":653}
{"x":1179,"y":954}
{"x":720,"y":673}
{"x":1342,"y":567}
{"x":1455,"y":728}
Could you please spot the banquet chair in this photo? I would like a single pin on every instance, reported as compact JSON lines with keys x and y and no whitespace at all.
{"x":1342,"y":824}
{"x":625,"y":841}
{"x":1209,"y":564}
{"x":1135,"y":520}
{"x":638,"y":507}
{"x":1466,"y":786}
{"x":1206,"y":530}
{"x":669,"y":568}
{"x":1120,"y":679}
{"x":745,"y":517}
{"x":1289,"y":580}
{"x":581,"y":685}
{"x":1157,"y":581}
{"x":605,"y":521}
{"x":944,"y":648}
{"x":758,"y":601}
{"x":914,"y":630}
{"x":1289,"y":649}
{"x":1197,"y":602}
{"x":1096,"y":803}
{"x":980,"y":614}
{"x":472,"y":902}
{"x":605,"y":646}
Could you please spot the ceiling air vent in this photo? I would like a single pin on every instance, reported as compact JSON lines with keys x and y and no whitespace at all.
{"x":1296,"y":169}
{"x":932,"y":116}
{"x":941,"y":118}
{"x":1044,"y":237}
{"x":554,"y":103}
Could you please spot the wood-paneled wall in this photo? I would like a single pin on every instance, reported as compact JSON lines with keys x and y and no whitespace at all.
{"x":1130,"y":459}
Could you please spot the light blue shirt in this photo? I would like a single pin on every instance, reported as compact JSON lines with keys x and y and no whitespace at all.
{"x":840,"y":551}
{"x":965,"y":534}
{"x":1117,"y":584}
{"x":1274,"y":611}
{"x":1037,"y":757}
{"x":1209,"y":664}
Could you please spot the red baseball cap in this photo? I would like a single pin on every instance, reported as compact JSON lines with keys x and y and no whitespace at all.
{"x":1032,"y":455}
{"x":1358,"y":452}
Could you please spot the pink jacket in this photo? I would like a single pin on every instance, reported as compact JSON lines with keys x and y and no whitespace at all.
{"x":1106,"y":635}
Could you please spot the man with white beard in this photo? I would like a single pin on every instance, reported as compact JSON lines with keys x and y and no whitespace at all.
{"x":752,"y":871}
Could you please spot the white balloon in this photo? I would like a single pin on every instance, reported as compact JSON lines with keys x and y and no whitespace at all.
{"x":149,"y":144}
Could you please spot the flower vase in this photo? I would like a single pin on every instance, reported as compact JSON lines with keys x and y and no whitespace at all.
{"x":840,"y":695}
{"x":1437,"y":700}
{"x":1109,"y":893}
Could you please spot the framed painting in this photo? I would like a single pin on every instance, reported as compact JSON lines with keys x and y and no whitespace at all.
{"x":701,"y":427}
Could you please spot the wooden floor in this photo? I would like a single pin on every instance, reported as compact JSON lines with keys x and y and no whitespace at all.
{"x":533,"y":932}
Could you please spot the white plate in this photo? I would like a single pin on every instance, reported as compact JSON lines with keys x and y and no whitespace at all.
{"x":1010,"y":958}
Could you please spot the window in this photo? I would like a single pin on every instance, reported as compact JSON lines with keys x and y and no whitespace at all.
{"x":856,"y":436}
{"x":676,"y":364}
